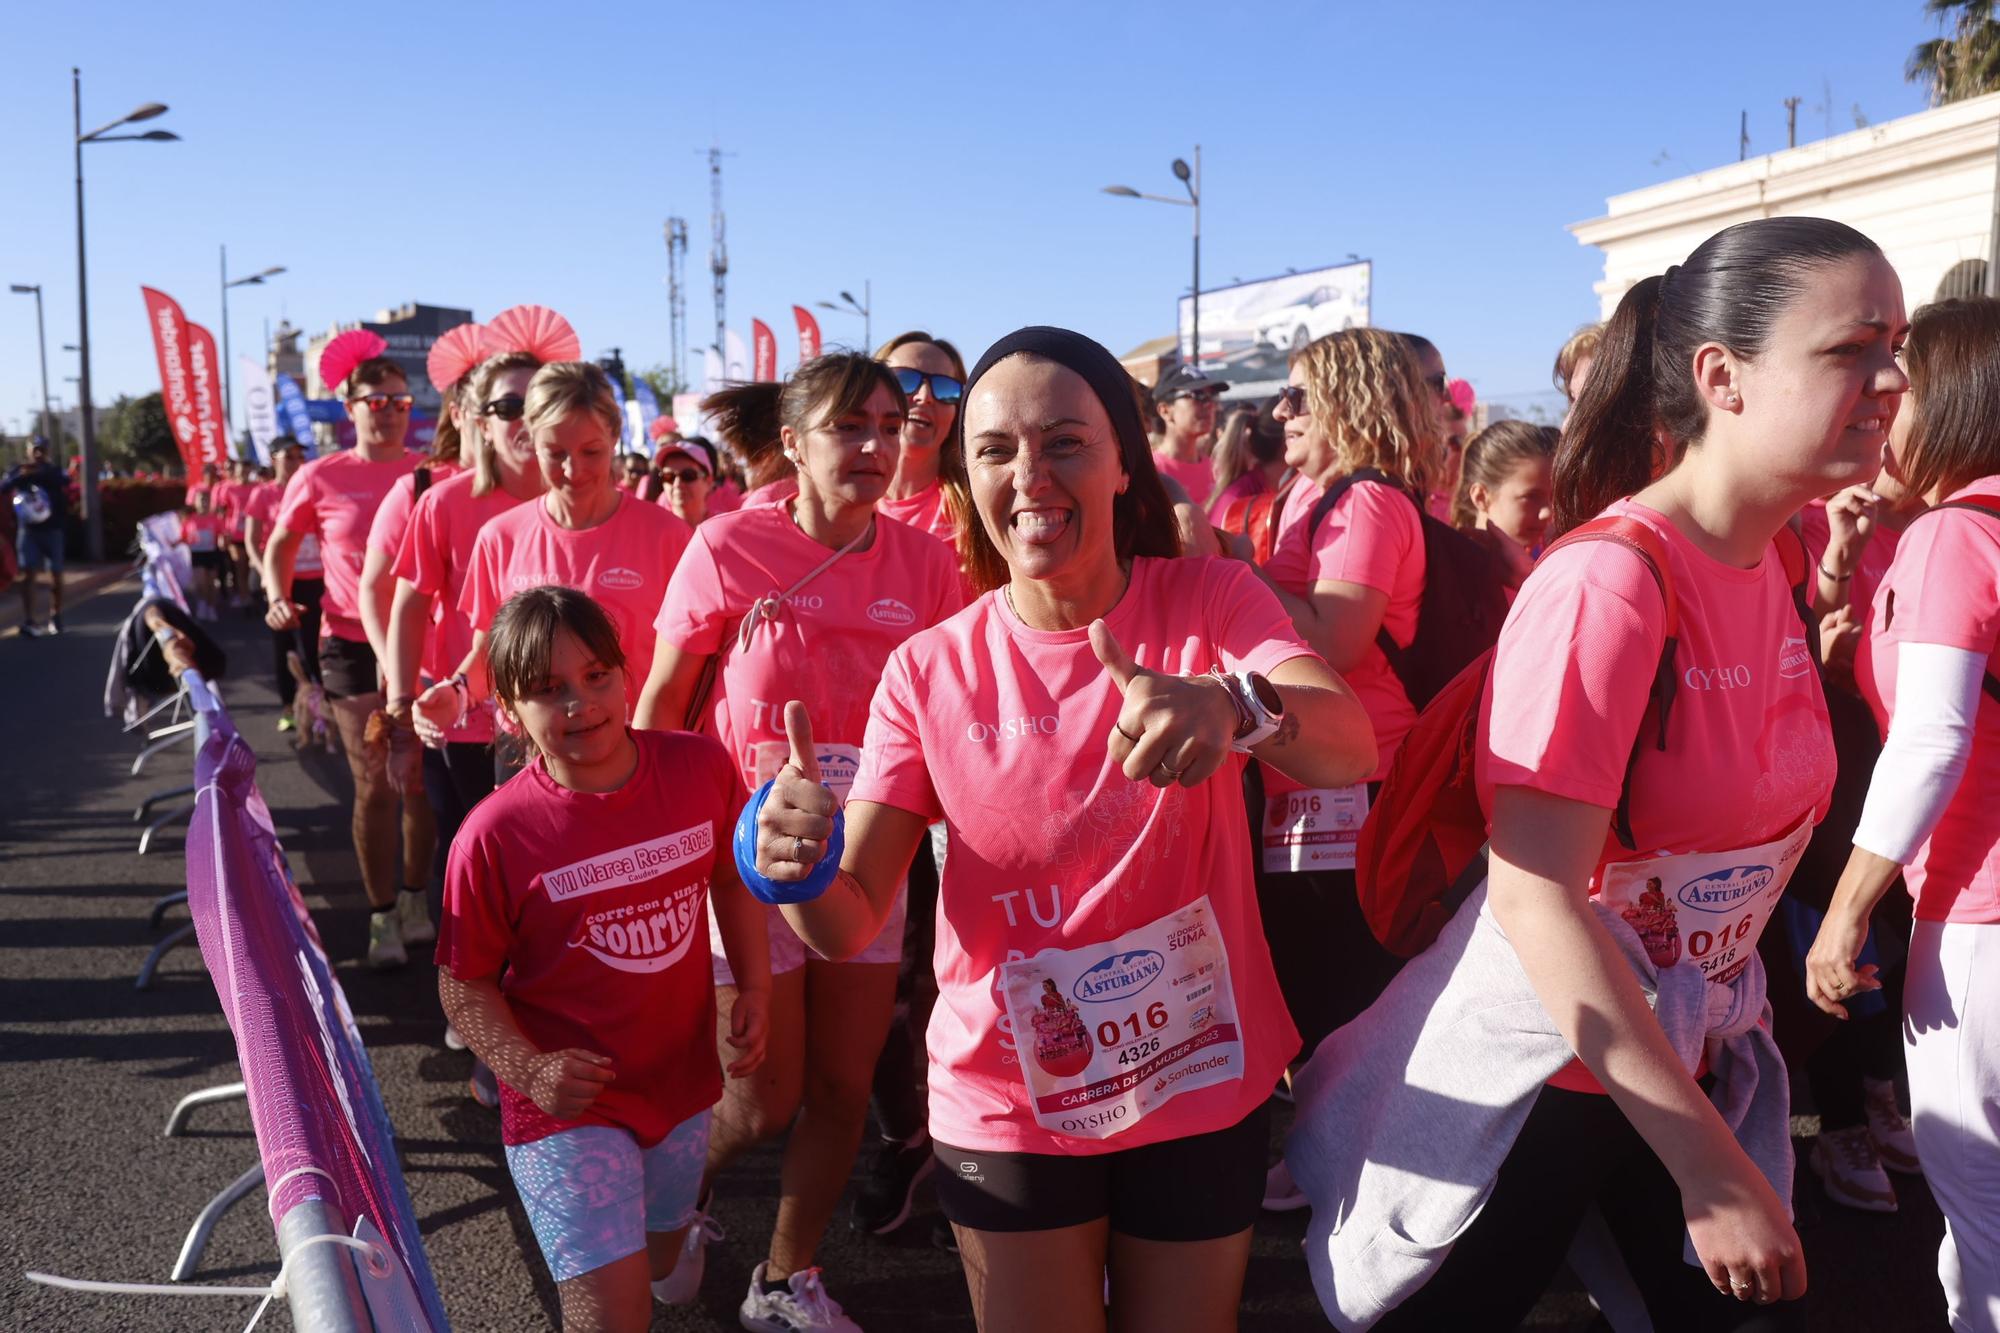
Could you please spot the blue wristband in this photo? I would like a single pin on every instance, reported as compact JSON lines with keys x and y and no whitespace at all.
{"x":773,"y":891}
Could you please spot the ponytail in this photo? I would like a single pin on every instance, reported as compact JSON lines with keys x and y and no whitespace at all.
{"x":1611,"y":445}
{"x":746,"y":417}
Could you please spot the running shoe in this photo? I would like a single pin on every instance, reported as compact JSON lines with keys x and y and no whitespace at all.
{"x":1281,"y":1193}
{"x":285,"y":722}
{"x":414,"y":919}
{"x":30,"y":630}
{"x":1887,"y":1129}
{"x":54,"y":626}
{"x":800,"y":1306}
{"x":1846,"y":1163}
{"x":683,"y":1284}
{"x":882,"y":1203}
{"x":452,"y":1041}
{"x":385,"y":942}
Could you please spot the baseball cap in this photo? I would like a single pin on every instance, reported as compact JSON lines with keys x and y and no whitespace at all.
{"x":1184,"y":380}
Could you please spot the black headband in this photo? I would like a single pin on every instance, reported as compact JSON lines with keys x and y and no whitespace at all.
{"x":1100,"y":370}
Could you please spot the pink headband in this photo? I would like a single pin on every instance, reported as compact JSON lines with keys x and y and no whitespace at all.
{"x":534,"y":329}
{"x":453,"y":355}
{"x":347,"y":351}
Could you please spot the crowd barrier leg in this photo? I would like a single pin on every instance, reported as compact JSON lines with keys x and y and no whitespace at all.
{"x":162,"y":905}
{"x":185,"y":1108}
{"x":173,"y":816}
{"x":321,"y":1285}
{"x":211,"y":1213}
{"x":164,"y":738}
{"x":182,"y":935}
{"x":139,"y":813}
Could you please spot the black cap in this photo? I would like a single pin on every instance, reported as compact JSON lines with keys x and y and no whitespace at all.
{"x":1183,"y":380}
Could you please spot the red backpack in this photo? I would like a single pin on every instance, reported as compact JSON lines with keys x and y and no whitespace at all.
{"x":1256,"y":517}
{"x":1421,"y":848}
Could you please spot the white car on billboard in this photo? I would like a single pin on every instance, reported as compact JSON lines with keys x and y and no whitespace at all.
{"x":1322,"y":310}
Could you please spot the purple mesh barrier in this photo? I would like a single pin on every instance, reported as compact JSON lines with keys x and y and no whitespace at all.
{"x":313,"y":1098}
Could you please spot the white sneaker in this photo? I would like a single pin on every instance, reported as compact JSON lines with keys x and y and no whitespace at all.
{"x":1846,"y":1164}
{"x":452,"y":1041}
{"x":683,"y":1284}
{"x":1887,"y":1129}
{"x":385,"y":942}
{"x":1281,"y":1193}
{"x":414,"y":919}
{"x":803,"y":1305}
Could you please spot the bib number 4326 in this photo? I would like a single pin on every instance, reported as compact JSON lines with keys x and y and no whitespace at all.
{"x":1113,"y":1031}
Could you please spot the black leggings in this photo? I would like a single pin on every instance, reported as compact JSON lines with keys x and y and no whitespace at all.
{"x":306,"y":592}
{"x":899,"y":1107}
{"x":456,"y":778}
{"x":1576,"y":1149}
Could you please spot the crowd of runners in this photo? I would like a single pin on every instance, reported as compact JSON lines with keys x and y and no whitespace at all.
{"x":1053,"y":769}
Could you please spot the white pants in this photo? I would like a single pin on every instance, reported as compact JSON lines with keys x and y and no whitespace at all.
{"x":1951,"y":1033}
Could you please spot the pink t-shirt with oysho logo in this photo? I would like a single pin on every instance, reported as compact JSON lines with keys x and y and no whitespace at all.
{"x":1748,"y":751}
{"x":1944,"y":588}
{"x":623,"y":563}
{"x":435,"y":558}
{"x":592,"y":909}
{"x":1000,"y":730}
{"x":830,"y":640}
{"x":334,"y":499}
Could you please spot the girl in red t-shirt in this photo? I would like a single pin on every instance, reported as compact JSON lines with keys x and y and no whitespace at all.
{"x":576,"y":908}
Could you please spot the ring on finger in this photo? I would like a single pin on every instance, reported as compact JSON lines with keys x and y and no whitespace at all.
{"x":1126,"y":734}
{"x":799,"y":850}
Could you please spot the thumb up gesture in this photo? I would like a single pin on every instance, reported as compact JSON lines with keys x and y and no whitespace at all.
{"x":797,"y":817}
{"x":1170,"y":729}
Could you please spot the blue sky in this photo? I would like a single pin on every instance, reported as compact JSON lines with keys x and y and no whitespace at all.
{"x":951,"y":154}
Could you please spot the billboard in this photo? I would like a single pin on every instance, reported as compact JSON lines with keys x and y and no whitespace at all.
{"x":1279,"y":313}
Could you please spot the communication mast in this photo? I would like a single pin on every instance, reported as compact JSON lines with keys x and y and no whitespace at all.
{"x":677,"y":246}
{"x":718,"y":249}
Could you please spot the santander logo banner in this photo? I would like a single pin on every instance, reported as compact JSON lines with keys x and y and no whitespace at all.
{"x":170,"y":346}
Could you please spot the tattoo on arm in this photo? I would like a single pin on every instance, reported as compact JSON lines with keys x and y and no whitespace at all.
{"x":1287,"y":732}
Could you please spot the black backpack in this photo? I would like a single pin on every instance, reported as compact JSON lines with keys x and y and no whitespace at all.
{"x":1464,"y":600}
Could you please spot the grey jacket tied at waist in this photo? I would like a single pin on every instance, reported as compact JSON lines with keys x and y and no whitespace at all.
{"x":1405,"y":1114}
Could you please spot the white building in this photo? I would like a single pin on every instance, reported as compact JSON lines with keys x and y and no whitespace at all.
{"x":1922,"y":187}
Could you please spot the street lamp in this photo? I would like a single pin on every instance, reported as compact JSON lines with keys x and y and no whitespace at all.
{"x":227,"y":283}
{"x":49,"y":430}
{"x":1191,"y":180}
{"x":865,"y":308}
{"x":93,"y":511}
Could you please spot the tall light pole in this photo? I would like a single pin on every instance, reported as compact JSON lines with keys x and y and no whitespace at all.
{"x":49,"y":430}
{"x":865,"y":308}
{"x":1191,"y":180}
{"x":227,"y":283}
{"x":93,"y":510}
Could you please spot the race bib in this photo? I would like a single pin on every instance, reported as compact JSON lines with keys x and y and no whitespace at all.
{"x":838,"y":764}
{"x":1313,"y":829}
{"x":1709,"y":907}
{"x":1113,"y":1032}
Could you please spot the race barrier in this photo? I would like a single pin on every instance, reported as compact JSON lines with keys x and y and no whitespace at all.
{"x":351,"y":1256}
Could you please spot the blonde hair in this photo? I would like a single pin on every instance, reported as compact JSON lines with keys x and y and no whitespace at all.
{"x":473,"y":390}
{"x":1366,"y":392}
{"x":563,"y":388}
{"x":1581,"y":346}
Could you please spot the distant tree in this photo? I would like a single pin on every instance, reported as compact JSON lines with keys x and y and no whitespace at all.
{"x":133,"y":434}
{"x":666,"y":382}
{"x":1963,"y":60}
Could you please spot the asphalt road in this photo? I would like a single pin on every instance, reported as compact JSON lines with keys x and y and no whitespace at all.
{"x":89,"y":1068}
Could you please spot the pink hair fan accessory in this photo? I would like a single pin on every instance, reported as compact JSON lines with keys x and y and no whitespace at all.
{"x":534,"y":329}
{"x":1462,"y":396}
{"x":347,"y":351}
{"x":454,"y":354}
{"x":663,"y":427}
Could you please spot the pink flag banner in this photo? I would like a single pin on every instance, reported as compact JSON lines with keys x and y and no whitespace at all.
{"x":808,"y":332}
{"x":764,"y":351}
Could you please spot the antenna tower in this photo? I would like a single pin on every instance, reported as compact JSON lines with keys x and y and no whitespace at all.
{"x":677,"y":246}
{"x":718,"y":249}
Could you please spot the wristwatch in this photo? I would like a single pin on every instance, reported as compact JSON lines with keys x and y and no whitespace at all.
{"x":1259,"y":707}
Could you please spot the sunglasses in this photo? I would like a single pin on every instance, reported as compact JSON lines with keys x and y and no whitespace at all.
{"x":1203,"y":396}
{"x":686,"y":476}
{"x":1293,"y":399}
{"x":509,"y":408}
{"x":943,"y":387}
{"x":378,"y":402}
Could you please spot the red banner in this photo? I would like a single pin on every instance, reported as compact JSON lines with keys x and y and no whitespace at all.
{"x":205,"y":375}
{"x":808,"y":333}
{"x":170,"y":344}
{"x":763,"y":351}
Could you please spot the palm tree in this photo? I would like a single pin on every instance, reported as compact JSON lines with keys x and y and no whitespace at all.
{"x":1964,"y":59}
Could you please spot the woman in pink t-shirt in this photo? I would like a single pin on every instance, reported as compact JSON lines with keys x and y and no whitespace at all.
{"x":578,"y":895}
{"x":1926,"y":663}
{"x":584,"y":533}
{"x":932,"y":376}
{"x":804,"y":600}
{"x":1759,"y":373}
{"x":1078,"y":730}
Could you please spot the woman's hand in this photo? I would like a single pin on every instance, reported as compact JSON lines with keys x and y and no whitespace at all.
{"x":1850,"y":521}
{"x":749,"y":1025}
{"x":797,"y":817}
{"x":1831,"y":976}
{"x":433,"y":711}
{"x":283,"y":614}
{"x":1742,"y":1235}
{"x":564,"y":1083}
{"x":1169,"y":729}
